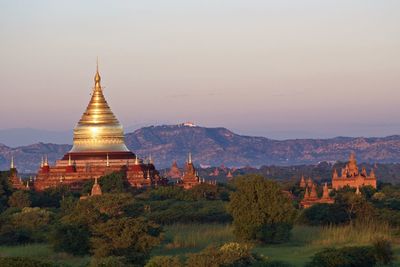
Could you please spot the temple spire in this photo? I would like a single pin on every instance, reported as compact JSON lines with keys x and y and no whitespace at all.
{"x":97,"y":77}
{"x":325,"y":193}
{"x":69,"y":160}
{"x":12,"y":166}
{"x":190,"y":158}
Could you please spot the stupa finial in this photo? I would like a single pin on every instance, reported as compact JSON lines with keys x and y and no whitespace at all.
{"x":190,"y":158}
{"x":12,"y":166}
{"x":97,"y":77}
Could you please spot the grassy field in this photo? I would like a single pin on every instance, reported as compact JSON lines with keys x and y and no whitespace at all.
{"x":305,"y":242}
{"x":180,"y":239}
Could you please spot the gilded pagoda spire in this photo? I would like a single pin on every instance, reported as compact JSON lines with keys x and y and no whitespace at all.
{"x":98,"y":130}
{"x":190,"y":158}
{"x":12,"y":166}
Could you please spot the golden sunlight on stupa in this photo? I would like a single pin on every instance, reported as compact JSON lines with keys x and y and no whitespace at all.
{"x":98,"y":130}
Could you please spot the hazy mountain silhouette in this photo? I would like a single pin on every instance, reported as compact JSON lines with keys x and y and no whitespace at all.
{"x":216,"y":146}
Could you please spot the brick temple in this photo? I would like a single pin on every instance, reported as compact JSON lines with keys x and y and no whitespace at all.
{"x":352,"y":176}
{"x":98,"y":149}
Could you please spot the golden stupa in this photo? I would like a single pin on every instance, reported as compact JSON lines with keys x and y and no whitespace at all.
{"x":98,"y":130}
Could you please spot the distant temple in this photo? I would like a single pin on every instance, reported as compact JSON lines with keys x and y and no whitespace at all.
{"x":174,"y":172}
{"x":215,"y":172}
{"x":311,"y":196}
{"x":16,"y":181}
{"x":190,"y":177}
{"x":351,"y":176}
{"x":229,"y":175}
{"x":98,"y":149}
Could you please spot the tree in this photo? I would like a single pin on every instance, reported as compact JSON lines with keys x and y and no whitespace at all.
{"x":5,"y":189}
{"x":99,"y":208}
{"x":204,"y":191}
{"x":70,"y":238}
{"x":356,"y":206}
{"x":324,"y":214}
{"x":260,"y":210}
{"x":28,"y":225}
{"x":110,"y":183}
{"x":19,"y":199}
{"x":51,"y":197}
{"x":131,"y":238}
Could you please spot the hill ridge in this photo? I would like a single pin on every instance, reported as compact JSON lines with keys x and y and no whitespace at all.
{"x":218,"y":145}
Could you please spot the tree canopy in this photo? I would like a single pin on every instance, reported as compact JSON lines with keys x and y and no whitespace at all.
{"x":260,"y":210}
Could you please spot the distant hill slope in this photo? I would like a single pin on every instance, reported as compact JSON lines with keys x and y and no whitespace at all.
{"x":216,"y":146}
{"x":26,"y":136}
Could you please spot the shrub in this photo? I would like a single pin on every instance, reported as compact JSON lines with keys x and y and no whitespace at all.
{"x":274,"y":233}
{"x":383,"y":251}
{"x":26,"y":262}
{"x":229,"y":254}
{"x":109,"y":262}
{"x":171,"y":211}
{"x":272,"y":264}
{"x":344,"y":257}
{"x":29,"y":225}
{"x":170,"y":192}
{"x":19,"y":199}
{"x":165,"y":261}
{"x":323,"y":214}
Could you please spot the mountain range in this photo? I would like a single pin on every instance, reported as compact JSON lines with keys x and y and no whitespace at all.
{"x":216,"y":146}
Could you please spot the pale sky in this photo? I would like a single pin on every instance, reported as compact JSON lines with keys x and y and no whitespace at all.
{"x":281,"y":69}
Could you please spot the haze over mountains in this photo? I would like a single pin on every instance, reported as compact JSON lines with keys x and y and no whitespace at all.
{"x":216,"y":146}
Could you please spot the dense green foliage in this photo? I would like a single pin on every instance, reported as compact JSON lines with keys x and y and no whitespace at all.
{"x":5,"y":190}
{"x":25,"y":262}
{"x":110,"y":183}
{"x":344,"y":257}
{"x":70,"y":238}
{"x":165,"y":261}
{"x":19,"y":199}
{"x":130,"y":227}
{"x":229,"y":254}
{"x":260,"y":210}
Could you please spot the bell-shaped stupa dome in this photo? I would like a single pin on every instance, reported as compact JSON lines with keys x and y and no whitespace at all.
{"x":98,"y":129}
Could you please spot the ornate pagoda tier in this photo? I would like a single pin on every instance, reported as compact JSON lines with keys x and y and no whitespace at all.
{"x":98,"y":149}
